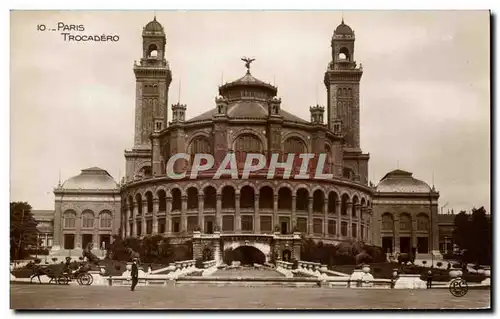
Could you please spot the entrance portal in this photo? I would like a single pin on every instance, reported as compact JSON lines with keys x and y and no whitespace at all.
{"x":248,"y":255}
{"x":387,"y":244}
{"x":404,"y":245}
{"x":86,"y":240}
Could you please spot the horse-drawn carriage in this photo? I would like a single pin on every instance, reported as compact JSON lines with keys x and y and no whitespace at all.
{"x":62,"y":275}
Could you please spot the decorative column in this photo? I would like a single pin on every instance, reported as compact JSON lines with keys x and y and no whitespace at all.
{"x":127,"y":222}
{"x":156,"y":208}
{"x":339,"y":221}
{"x":134,"y":220}
{"x":237,"y":217}
{"x":310,"y":215}
{"x":143,"y":219}
{"x":359,"y":219}
{"x":218,"y":211}
{"x":349,"y":225}
{"x":275,"y":214}
{"x":396,"y":234}
{"x":325,"y":218}
{"x":200,"y":212}
{"x":256,"y":219}
{"x":183,"y":213}
{"x":294,"y":201}
{"x":168,"y":216}
{"x":414,"y":233}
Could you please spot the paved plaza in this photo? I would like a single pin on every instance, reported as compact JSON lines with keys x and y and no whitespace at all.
{"x":203,"y":297}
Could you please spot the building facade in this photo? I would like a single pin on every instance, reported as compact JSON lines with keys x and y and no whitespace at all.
{"x":268,"y":214}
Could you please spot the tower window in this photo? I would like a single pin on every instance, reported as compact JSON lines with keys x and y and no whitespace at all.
{"x":158,"y":126}
{"x":152,"y":51}
{"x":153,"y":54}
{"x":343,"y":54}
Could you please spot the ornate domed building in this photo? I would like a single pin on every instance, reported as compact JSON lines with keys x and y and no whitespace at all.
{"x":247,"y":117}
{"x":262,"y":216}
{"x":87,"y":210}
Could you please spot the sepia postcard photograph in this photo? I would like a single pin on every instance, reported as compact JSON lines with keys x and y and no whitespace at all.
{"x":250,"y":160}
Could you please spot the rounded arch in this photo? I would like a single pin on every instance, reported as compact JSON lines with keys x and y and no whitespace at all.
{"x":302,"y":199}
{"x":387,"y":221}
{"x":200,"y":135}
{"x":209,"y":197}
{"x":210,"y":184}
{"x":363,"y":202}
{"x":244,"y":184}
{"x":192,"y":197}
{"x":423,"y":222}
{"x":354,"y":208}
{"x":344,"y":199}
{"x":176,"y":195}
{"x":228,"y":196}
{"x":247,"y":143}
{"x":247,"y":197}
{"x":344,"y":54}
{"x":162,"y":199}
{"x":318,"y":199}
{"x":405,"y":222}
{"x":69,"y":218}
{"x":261,"y":136}
{"x":301,"y":186}
{"x":138,"y":201}
{"x":149,"y":201}
{"x":285,"y":198}
{"x":88,"y":217}
{"x":266,"y":197}
{"x":175,"y":186}
{"x":105,"y":219}
{"x":295,"y":144}
{"x":152,"y":51}
{"x":333,"y":197}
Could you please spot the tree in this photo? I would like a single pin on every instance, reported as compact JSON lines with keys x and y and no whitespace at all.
{"x":472,"y":234}
{"x":23,"y":231}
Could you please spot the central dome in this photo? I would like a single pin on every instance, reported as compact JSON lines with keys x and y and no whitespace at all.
{"x":399,"y":181}
{"x":91,"y":178}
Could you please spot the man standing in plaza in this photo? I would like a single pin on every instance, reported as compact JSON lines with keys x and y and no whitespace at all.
{"x":135,"y":274}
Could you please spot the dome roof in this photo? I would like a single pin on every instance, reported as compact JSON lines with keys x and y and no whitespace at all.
{"x":399,"y":181}
{"x":247,"y":109}
{"x":91,"y":178}
{"x":343,"y":29}
{"x":153,"y":26}
{"x":248,"y":81}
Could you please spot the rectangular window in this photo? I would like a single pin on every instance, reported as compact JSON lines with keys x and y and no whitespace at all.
{"x":317,"y":226}
{"x":266,"y":224}
{"x":176,"y":224}
{"x":228,"y":223}
{"x":343,"y":229}
{"x":332,"y":227}
{"x":246,"y":223}
{"x":131,"y":227}
{"x":302,"y":224}
{"x":192,"y":223}
{"x":354,"y":230}
{"x":149,"y":227}
{"x":88,"y":222}
{"x":161,"y":225}
{"x":362,"y":231}
{"x":69,"y":222}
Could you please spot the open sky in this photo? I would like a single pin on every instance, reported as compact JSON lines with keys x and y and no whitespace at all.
{"x":425,"y":91}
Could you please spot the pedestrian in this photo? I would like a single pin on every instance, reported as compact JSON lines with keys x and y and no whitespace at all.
{"x":429,"y":279}
{"x":134,"y":274}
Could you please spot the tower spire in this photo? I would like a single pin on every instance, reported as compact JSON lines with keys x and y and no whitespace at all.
{"x":343,"y":18}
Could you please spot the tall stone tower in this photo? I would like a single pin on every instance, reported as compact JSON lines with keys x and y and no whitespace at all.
{"x":342,"y":83}
{"x":153,"y":79}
